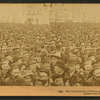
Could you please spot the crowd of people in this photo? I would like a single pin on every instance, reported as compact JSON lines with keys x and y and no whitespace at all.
{"x":59,"y":54}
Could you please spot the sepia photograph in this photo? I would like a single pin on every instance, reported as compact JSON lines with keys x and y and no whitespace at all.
{"x":50,"y":45}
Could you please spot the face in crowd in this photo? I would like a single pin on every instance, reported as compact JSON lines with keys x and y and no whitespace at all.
{"x":19,"y":62}
{"x":43,"y":76}
{"x":58,"y":82}
{"x":15,"y":72}
{"x":53,"y":60}
{"x":9,"y":58}
{"x":96,"y":74}
{"x":28,"y":79}
{"x":73,"y":67}
{"x":88,"y":68}
{"x":5,"y":68}
{"x":58,"y":70}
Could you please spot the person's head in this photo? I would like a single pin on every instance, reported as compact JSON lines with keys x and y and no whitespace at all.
{"x":9,"y":58}
{"x":73,"y":64}
{"x":72,"y":68}
{"x":78,"y":66}
{"x":0,"y":72}
{"x":58,"y":70}
{"x":88,"y":68}
{"x":46,"y":62}
{"x":28,"y":78}
{"x":97,"y":58}
{"x":53,"y":43}
{"x":8,"y":55}
{"x":43,"y":76}
{"x":96,"y":73}
{"x":91,"y":56}
{"x":96,"y":70}
{"x":58,"y":81}
{"x":32,"y":65}
{"x":38,"y":83}
{"x":88,"y":62}
{"x":67,"y":50}
{"x":5,"y":68}
{"x":26,"y":56}
{"x":17,"y":59}
{"x":59,"y":67}
{"x":87,"y":51}
{"x":15,"y":72}
{"x":98,"y":51}
{"x":53,"y":60}
{"x":5,"y":62}
{"x":38,"y":58}
{"x":22,"y":67}
{"x":76,"y":81}
{"x":47,"y":65}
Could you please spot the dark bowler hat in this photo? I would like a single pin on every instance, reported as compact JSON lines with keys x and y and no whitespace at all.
{"x":73,"y":60}
{"x":16,"y":57}
{"x":44,"y":70}
{"x":8,"y":53}
{"x":96,"y":66}
{"x":60,"y":63}
{"x":28,"y":73}
{"x":14,"y":66}
{"x":31,"y":62}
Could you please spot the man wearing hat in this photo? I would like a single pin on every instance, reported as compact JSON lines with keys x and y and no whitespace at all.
{"x":46,"y":62}
{"x":28,"y":76}
{"x":31,"y":65}
{"x":38,"y":82}
{"x":72,"y":71}
{"x":98,"y":51}
{"x":16,"y":51}
{"x":65,"y":54}
{"x":76,"y":81}
{"x":17,"y":59}
{"x":58,"y":81}
{"x":44,"y":76}
{"x":58,"y":71}
{"x":52,"y":46}
{"x":14,"y":79}
{"x":8,"y":56}
{"x":5,"y":71}
{"x":54,"y":58}
{"x":91,"y":56}
{"x":95,"y":79}
{"x":59,"y":68}
{"x":97,"y":58}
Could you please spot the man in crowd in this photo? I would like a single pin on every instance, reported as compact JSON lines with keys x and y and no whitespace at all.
{"x":59,"y":54}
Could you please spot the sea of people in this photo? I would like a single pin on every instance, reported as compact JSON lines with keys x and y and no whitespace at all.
{"x":59,"y":54}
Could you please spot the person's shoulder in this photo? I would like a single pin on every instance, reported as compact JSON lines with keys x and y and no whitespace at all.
{"x":20,"y":82}
{"x":90,"y":80}
{"x":20,"y":78}
{"x":7,"y":79}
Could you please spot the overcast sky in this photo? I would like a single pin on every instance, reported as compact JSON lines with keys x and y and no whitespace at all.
{"x":75,"y":12}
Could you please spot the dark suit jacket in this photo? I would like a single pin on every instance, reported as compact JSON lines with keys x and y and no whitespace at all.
{"x":11,"y":81}
{"x":92,"y":82}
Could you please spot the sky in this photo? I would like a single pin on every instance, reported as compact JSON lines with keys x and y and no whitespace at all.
{"x":75,"y":12}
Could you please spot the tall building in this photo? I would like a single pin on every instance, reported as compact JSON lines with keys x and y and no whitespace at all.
{"x":57,"y":13}
{"x":36,"y":14}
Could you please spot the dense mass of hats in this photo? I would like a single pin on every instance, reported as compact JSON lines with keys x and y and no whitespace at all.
{"x":55,"y":54}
